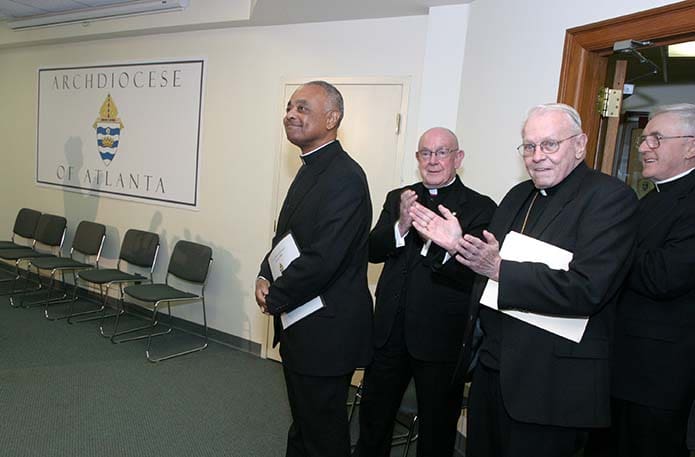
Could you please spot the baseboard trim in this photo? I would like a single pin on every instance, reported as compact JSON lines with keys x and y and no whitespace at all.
{"x":226,"y":339}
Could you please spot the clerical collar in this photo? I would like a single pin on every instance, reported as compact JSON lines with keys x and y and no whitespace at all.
{"x":304,"y":156}
{"x":661,"y":185}
{"x":550,"y":191}
{"x":435,"y":190}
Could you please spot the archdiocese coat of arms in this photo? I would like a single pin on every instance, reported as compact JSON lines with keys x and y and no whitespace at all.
{"x":108,"y":127}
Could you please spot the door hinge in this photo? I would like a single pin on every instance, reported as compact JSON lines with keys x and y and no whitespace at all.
{"x":398,"y":123}
{"x":608,"y":102}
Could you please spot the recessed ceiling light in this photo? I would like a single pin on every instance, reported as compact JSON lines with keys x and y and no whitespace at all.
{"x":686,"y":49}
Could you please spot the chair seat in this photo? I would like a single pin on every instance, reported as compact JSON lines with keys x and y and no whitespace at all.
{"x":157,"y":292}
{"x":59,"y":263}
{"x":22,"y":253}
{"x":106,"y":275}
{"x":11,"y":245}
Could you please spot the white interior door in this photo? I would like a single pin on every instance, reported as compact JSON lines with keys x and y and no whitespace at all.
{"x":370,"y":133}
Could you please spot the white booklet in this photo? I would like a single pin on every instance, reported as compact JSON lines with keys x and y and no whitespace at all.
{"x":522,"y":248}
{"x":280,"y":258}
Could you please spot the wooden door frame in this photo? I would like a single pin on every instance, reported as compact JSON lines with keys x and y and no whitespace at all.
{"x":588,"y":47}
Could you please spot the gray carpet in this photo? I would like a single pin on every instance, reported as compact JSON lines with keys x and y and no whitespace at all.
{"x":66,"y":391}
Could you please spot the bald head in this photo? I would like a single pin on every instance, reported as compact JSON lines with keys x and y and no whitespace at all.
{"x":438,"y":157}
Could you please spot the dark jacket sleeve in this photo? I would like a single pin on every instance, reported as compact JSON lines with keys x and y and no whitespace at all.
{"x":341,"y":215}
{"x":667,"y":271}
{"x":605,"y":233}
{"x":382,"y":240}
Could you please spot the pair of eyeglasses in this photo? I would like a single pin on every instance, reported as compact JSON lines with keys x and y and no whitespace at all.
{"x":547,"y":146}
{"x":443,"y":153}
{"x":654,"y":140}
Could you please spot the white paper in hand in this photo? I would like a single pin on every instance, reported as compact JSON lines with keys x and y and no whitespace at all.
{"x":522,"y":248}
{"x":282,"y":255}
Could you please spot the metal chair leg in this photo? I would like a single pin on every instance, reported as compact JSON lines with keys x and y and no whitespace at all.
{"x":177,"y":354}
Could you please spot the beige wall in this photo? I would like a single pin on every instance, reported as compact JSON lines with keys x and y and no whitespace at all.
{"x":243,"y":106}
{"x":512,"y":61}
{"x":513,"y":58}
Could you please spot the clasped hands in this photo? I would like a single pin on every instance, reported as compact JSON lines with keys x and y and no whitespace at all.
{"x":480,"y":255}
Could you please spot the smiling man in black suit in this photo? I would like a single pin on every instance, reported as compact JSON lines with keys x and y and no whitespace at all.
{"x":654,"y":360}
{"x":535,"y":393}
{"x":328,"y":211}
{"x":421,"y":304}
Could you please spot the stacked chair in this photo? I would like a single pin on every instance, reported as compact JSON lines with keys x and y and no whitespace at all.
{"x":24,"y":228}
{"x":190,"y":262}
{"x":36,"y":244}
{"x":48,"y":242}
{"x":87,"y":245}
{"x":138,"y":252}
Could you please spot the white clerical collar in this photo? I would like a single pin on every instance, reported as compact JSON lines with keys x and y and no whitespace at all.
{"x":435,"y":191}
{"x":672,"y":178}
{"x":313,"y":151}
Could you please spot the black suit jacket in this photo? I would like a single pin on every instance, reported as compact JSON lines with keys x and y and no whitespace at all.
{"x":328,"y":211}
{"x":655,"y":335}
{"x":433,"y":296}
{"x":547,"y":379}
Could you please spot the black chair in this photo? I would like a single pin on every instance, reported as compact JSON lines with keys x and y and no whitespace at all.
{"x":190,"y":262}
{"x":87,"y":244}
{"x":405,"y":417}
{"x":138,"y":252}
{"x":48,"y":242}
{"x":691,"y":428}
{"x":24,"y":228}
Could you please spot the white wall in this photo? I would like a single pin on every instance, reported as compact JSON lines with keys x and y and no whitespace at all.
{"x":241,"y":137}
{"x":512,"y":62}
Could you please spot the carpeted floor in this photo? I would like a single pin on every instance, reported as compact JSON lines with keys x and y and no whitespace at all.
{"x":65,"y":391}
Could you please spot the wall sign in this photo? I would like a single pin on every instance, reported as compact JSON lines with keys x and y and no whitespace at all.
{"x":127,"y":131}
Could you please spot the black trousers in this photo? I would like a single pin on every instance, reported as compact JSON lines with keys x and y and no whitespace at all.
{"x":641,"y":431}
{"x":385,"y":381}
{"x":493,"y":433}
{"x":319,"y":416}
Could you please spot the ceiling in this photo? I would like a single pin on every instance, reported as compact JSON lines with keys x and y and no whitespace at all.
{"x":653,"y":66}
{"x":265,"y":12}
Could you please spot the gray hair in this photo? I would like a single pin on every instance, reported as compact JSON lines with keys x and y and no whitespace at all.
{"x":684,"y":111}
{"x":572,"y":114}
{"x":335,"y":98}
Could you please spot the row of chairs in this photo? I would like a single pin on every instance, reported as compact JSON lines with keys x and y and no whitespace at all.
{"x":37,"y":241}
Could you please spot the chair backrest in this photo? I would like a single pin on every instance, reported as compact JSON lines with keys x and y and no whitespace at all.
{"x":50,"y":230}
{"x":139,"y":248}
{"x":190,"y":261}
{"x":89,"y":238}
{"x":25,"y":223}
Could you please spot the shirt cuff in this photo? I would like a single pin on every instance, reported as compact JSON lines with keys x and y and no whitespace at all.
{"x":400,"y":240}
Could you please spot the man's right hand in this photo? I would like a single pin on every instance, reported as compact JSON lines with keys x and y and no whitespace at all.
{"x":405,"y":221}
{"x":262,"y":289}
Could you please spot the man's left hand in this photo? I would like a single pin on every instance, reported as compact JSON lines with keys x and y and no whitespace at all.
{"x":481,"y":256}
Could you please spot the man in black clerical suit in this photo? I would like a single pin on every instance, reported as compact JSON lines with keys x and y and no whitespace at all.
{"x":654,"y":358}
{"x":421,"y":302}
{"x":535,"y":393}
{"x":328,"y":212}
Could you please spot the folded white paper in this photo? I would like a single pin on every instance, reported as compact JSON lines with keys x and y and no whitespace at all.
{"x":282,"y":255}
{"x":523,"y":248}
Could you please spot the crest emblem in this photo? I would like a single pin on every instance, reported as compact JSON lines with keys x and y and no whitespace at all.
{"x":108,"y":127}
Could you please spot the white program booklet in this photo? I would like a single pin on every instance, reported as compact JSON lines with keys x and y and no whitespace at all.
{"x":280,"y":258}
{"x":522,"y":248}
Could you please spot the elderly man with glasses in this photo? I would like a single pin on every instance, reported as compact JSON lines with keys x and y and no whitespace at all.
{"x":421,"y":304}
{"x":535,"y":393}
{"x":654,"y":358}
